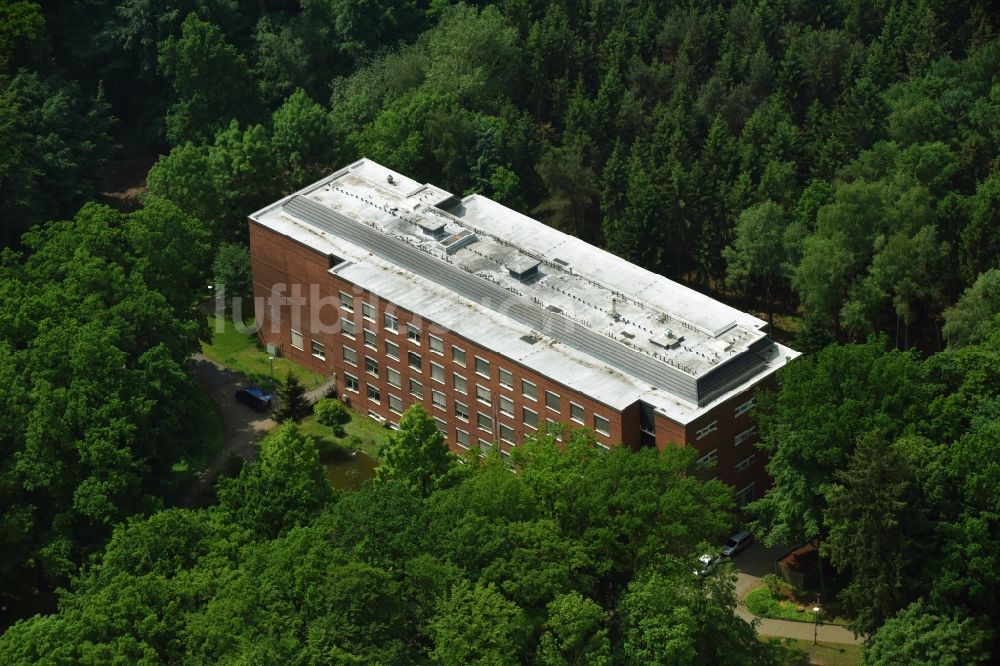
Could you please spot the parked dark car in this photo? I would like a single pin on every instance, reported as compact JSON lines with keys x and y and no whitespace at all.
{"x":255,"y":398}
{"x":737,"y":543}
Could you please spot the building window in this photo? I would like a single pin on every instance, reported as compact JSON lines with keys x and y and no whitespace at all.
{"x":368,"y":311}
{"x":351,"y":382}
{"x":484,"y":395}
{"x":554,"y":428}
{"x":442,"y":425}
{"x":347,"y":327}
{"x":458,"y":356}
{"x":413,"y":333}
{"x":395,"y":404}
{"x":484,"y":422}
{"x":746,"y":462}
{"x":369,"y":337}
{"x":552,"y":401}
{"x":416,"y":389}
{"x":350,"y":356}
{"x":709,"y":457}
{"x":394,"y":378}
{"x":529,"y":390}
{"x":392,"y":350}
{"x":437,"y":372}
{"x":506,"y":406}
{"x":413,"y":359}
{"x":346,"y":301}
{"x":462,"y":438}
{"x":318,"y":350}
{"x":746,"y":406}
{"x":437,"y":399}
{"x":484,"y":448}
{"x":745,"y":496}
{"x":602,"y":425}
{"x":530,"y":417}
{"x":576,"y":412}
{"x":437,"y":344}
{"x":461,"y":386}
{"x":461,"y":410}
{"x":371,"y":366}
{"x":482,"y":367}
{"x":507,"y":433}
{"x":744,"y":436}
{"x":711,"y":427}
{"x":506,"y":379}
{"x":390,"y":322}
{"x":297,"y":340}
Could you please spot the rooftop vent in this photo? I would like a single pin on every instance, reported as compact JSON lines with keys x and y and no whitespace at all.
{"x":433,"y":228}
{"x":456,"y":241}
{"x":523,"y":268}
{"x":389,"y":179}
{"x":667,"y":340}
{"x":530,"y":339}
{"x":552,"y":308}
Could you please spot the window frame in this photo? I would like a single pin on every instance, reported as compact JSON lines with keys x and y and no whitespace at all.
{"x":350,"y":355}
{"x":302,"y":341}
{"x":321,"y":354}
{"x":351,"y":379}
{"x":346,"y":298}
{"x":607,"y":432}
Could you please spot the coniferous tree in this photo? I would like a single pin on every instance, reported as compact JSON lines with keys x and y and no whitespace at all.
{"x":292,"y":403}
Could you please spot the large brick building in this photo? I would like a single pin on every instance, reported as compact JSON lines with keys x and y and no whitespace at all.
{"x":497,"y":323}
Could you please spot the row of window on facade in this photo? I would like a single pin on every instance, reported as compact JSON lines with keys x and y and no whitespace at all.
{"x":742,"y":465}
{"x":529,"y":390}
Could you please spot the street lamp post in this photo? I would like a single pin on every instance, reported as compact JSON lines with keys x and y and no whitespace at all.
{"x":815,"y":624}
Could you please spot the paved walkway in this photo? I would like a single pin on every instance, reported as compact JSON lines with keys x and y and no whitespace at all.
{"x":243,"y":426}
{"x":753,"y":564}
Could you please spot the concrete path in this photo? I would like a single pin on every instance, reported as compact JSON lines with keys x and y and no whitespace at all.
{"x":753,"y":564}
{"x":243,"y":426}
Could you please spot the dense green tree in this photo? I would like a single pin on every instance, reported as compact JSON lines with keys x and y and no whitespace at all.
{"x":970,"y":319}
{"x":103,"y":353}
{"x":666,"y":618}
{"x":231,"y":272}
{"x":575,"y":633}
{"x":211,"y":79}
{"x":477,"y":625}
{"x":754,"y":260}
{"x":415,"y":454}
{"x":292,"y":403}
{"x":283,"y":489}
{"x":879,"y":531}
{"x":333,"y":414}
{"x":922,"y":637}
{"x":810,"y":427}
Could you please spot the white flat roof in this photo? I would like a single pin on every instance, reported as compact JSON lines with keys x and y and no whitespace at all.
{"x":657,"y":325}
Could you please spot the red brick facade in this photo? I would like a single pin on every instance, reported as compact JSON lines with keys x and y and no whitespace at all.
{"x":380,"y":377}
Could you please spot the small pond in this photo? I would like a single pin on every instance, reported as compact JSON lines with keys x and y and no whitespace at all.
{"x":348,"y":470}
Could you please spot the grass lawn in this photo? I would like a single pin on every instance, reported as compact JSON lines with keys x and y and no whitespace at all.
{"x":828,"y":654}
{"x":361,"y":433}
{"x":760,"y":601}
{"x":241,"y":352}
